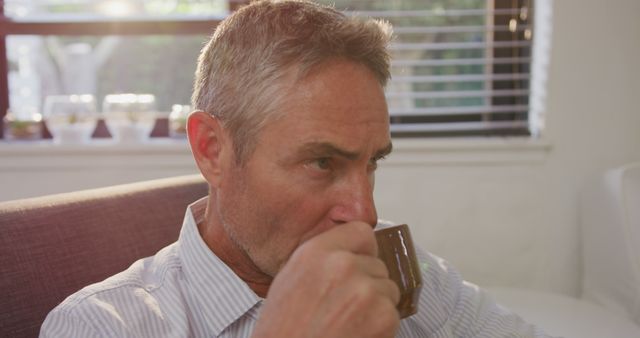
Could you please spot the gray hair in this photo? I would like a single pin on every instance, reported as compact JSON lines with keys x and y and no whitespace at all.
{"x":239,"y":78}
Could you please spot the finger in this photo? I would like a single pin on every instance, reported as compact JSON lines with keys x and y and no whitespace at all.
{"x":369,"y":271}
{"x":372,"y":266}
{"x":377,"y":287}
{"x":390,"y":289}
{"x":356,"y":237}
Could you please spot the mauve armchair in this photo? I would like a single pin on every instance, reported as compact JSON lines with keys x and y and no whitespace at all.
{"x":54,"y":245}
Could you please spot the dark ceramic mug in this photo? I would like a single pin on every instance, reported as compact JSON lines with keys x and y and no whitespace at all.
{"x":395,"y":249}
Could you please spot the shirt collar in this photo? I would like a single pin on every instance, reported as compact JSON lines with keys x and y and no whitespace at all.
{"x":221,"y":296}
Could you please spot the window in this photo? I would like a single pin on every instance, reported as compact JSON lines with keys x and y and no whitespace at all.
{"x":460,"y":67}
{"x":102,"y":47}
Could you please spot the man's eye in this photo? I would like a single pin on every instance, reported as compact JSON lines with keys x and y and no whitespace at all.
{"x":321,"y":163}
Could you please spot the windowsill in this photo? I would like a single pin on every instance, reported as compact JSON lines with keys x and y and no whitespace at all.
{"x":418,"y":151}
{"x":99,"y":154}
{"x":468,"y":151}
{"x":96,"y":146}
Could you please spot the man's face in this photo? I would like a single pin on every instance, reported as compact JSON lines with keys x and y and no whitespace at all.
{"x":312,"y":168}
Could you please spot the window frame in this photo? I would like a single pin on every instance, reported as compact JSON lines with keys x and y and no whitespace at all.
{"x":183,"y":25}
{"x":171,"y":25}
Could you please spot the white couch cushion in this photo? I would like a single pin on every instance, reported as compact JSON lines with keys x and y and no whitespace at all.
{"x":610,"y":223}
{"x":564,"y":316}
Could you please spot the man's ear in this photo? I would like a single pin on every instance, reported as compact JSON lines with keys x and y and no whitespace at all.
{"x":210,"y":145}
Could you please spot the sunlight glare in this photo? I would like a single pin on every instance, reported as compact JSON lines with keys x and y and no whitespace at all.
{"x":117,"y":8}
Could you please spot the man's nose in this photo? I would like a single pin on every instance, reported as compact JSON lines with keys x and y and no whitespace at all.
{"x":355,"y":202}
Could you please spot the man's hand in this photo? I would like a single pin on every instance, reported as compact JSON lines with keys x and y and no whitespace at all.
{"x":332,"y":286}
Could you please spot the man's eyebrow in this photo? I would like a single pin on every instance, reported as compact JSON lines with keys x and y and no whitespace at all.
{"x":329,"y":149}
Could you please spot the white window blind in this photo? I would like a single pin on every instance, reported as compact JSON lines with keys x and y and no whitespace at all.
{"x":459,"y":67}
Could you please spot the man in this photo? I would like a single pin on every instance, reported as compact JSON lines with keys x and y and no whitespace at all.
{"x":291,"y":121}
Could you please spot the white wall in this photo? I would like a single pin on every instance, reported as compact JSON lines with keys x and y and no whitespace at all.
{"x":517,"y":223}
{"x":503,"y":211}
{"x":40,"y":168}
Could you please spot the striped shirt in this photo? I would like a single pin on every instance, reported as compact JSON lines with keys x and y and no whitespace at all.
{"x":186,"y":291}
